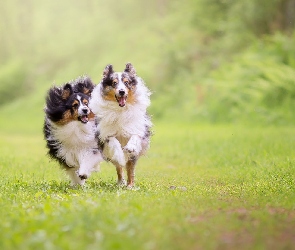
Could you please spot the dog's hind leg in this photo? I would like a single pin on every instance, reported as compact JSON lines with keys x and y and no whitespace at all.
{"x":121,"y":180}
{"x":130,"y":166}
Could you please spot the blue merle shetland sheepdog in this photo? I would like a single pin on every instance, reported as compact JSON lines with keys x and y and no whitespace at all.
{"x":120,"y":104}
{"x":69,"y":129}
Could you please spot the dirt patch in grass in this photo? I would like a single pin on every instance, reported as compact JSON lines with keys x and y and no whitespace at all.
{"x":245,"y":228}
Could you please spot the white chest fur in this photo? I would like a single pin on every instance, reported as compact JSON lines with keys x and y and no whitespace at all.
{"x":75,"y":139}
{"x":121,"y":122}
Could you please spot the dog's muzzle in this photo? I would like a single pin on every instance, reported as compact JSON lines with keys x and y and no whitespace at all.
{"x":121,"y":98}
{"x":84,"y":116}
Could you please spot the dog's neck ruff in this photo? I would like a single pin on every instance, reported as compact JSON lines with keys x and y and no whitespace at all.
{"x":74,"y":141}
{"x":74,"y":134}
{"x":121,"y":121}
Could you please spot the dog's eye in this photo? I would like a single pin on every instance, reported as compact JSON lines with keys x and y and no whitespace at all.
{"x":75,"y":105}
{"x":126,"y":82}
{"x":115,"y":83}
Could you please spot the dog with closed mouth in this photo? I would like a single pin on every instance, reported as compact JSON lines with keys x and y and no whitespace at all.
{"x":70,"y":129}
{"x":120,"y":104}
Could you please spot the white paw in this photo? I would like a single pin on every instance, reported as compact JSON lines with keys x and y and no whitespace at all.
{"x":121,"y":183}
{"x":119,"y":157}
{"x":132,"y":149}
{"x":82,"y":175}
{"x":77,"y":182}
{"x":115,"y":151}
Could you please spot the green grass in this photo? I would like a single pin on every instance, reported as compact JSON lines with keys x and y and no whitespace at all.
{"x":200,"y":187}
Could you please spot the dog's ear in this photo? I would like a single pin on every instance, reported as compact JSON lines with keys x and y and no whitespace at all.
{"x":130,"y":69}
{"x":84,"y":89}
{"x":67,"y":91}
{"x":84,"y":86}
{"x":107,"y":71}
{"x":89,"y":86}
{"x":87,"y":90}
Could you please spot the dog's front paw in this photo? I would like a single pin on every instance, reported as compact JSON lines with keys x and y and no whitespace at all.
{"x":119,"y":157}
{"x":132,"y":150}
{"x":133,"y":147}
{"x":115,"y":152}
{"x":82,"y":175}
{"x":130,"y":153}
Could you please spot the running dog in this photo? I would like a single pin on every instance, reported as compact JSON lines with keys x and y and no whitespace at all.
{"x":120,"y":104}
{"x":69,"y":129}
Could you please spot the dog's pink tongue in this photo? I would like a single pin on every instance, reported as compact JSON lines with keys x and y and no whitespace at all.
{"x":84,"y":118}
{"x":122,"y":101}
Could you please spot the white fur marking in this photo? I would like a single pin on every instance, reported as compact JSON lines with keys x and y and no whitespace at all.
{"x":82,"y":106}
{"x":115,"y":151}
{"x":121,"y":85}
{"x":133,"y":146}
{"x":77,"y":148}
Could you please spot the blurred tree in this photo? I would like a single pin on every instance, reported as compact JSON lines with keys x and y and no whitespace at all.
{"x":286,"y":15}
{"x":231,"y":17}
{"x":174,"y":44}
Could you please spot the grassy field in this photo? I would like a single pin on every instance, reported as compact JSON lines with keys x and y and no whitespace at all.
{"x":200,"y":187}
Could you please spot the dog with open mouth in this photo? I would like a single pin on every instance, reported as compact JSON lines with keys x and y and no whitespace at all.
{"x":70,"y":129}
{"x":120,"y":104}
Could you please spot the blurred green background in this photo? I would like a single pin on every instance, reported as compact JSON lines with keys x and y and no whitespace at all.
{"x":209,"y":61}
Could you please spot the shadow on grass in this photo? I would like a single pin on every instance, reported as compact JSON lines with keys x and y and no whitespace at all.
{"x":53,"y":186}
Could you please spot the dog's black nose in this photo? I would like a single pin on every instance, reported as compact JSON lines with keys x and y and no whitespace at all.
{"x":121,"y":92}
{"x":85,"y":111}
